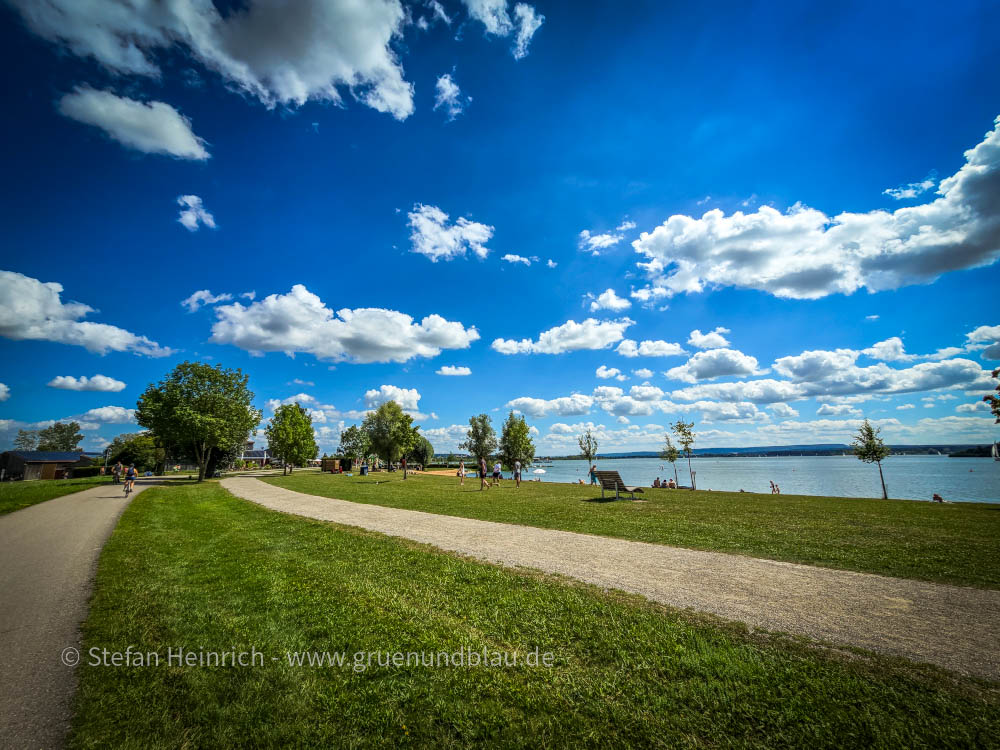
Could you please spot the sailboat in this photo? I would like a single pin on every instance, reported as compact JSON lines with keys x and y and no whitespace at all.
{"x":996,"y":451}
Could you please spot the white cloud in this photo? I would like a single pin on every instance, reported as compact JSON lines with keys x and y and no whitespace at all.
{"x":838,"y":410}
{"x":714,"y":363}
{"x":193,"y":213}
{"x":108,"y":415}
{"x":528,"y":22}
{"x":625,"y":226}
{"x":597,"y":242}
{"x":407,"y":398}
{"x":446,"y":439}
{"x":435,"y":238}
{"x":608,"y":300}
{"x":299,"y":321}
{"x":782,"y":410}
{"x":643,"y":372}
{"x":449,"y":97}
{"x":986,"y":338}
{"x":711,"y":340}
{"x":764,"y":391}
{"x":279,"y":53}
{"x":871,"y":317}
{"x":454,"y":371}
{"x":32,"y":310}
{"x":805,"y":254}
{"x":494,"y":16}
{"x":568,"y":337}
{"x":606,"y":373}
{"x":83,"y":383}
{"x":300,"y":381}
{"x":150,"y":127}
{"x":658,"y":348}
{"x":911,"y":190}
{"x":4,"y":392}
{"x":564,"y":406}
{"x":975,"y":407}
{"x":511,"y":258}
{"x":551,"y":263}
{"x":890,"y":350}
{"x":645,"y":393}
{"x":904,"y":407}
{"x":204,"y":297}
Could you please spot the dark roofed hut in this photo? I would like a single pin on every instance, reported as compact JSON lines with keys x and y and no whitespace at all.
{"x":40,"y":464}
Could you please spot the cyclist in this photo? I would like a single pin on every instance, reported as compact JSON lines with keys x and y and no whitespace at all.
{"x":130,"y":475}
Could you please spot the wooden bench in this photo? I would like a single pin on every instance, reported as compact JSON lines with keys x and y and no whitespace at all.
{"x":611,"y":480}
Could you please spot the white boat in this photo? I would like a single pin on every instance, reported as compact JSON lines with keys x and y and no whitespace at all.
{"x":996,"y":452}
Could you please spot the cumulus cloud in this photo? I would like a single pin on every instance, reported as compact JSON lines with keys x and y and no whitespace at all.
{"x":204,"y":297}
{"x":986,"y":338}
{"x":837,"y":410}
{"x":606,"y":373}
{"x":407,"y":398}
{"x":594,"y":243}
{"x":4,"y":392}
{"x":625,"y":226}
{"x":911,"y":190}
{"x":150,"y":127}
{"x":511,"y":258}
{"x":658,"y":348}
{"x":568,"y":337}
{"x":805,"y":254}
{"x":446,"y":439}
{"x":108,"y":415}
{"x":978,"y":406}
{"x":551,"y":263}
{"x":433,"y":236}
{"x":711,"y":340}
{"x":33,"y":310}
{"x":763,"y":391}
{"x":96,"y":383}
{"x":299,"y":321}
{"x":608,"y":300}
{"x":782,"y":410}
{"x":193,"y":213}
{"x":279,"y":53}
{"x":449,"y":98}
{"x":454,"y":371}
{"x":564,"y":406}
{"x":643,"y":372}
{"x":714,"y":363}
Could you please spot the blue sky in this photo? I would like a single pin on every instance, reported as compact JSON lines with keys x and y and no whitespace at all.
{"x":823,"y":184}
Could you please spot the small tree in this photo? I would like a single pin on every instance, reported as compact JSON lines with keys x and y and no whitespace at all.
{"x":290,"y":436}
{"x":685,"y":436}
{"x":391,"y":433}
{"x":671,"y":454}
{"x":991,"y":399}
{"x":481,"y":438}
{"x":26,"y":440}
{"x":62,"y":436}
{"x":137,"y":448}
{"x":422,"y":451}
{"x":588,"y":447}
{"x":871,"y":449}
{"x":515,"y":442}
{"x":200,"y":409}
{"x":354,"y":443}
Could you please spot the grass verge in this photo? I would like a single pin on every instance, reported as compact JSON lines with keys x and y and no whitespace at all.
{"x":954,"y":543}
{"x":17,"y":495}
{"x":196,"y":568}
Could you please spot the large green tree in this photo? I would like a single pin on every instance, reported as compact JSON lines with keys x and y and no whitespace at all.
{"x":422,"y":451}
{"x":481,"y":438}
{"x":515,"y":442}
{"x":200,"y":409}
{"x":26,"y":440}
{"x":684,"y":431}
{"x":62,"y":436}
{"x":390,"y":431}
{"x":871,"y":449}
{"x":290,"y":436}
{"x":137,"y":448}
{"x":354,"y":443}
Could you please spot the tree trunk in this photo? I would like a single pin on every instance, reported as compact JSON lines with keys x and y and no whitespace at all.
{"x":677,"y":480}
{"x":885,"y":495}
{"x":202,"y":457}
{"x":689,"y":470}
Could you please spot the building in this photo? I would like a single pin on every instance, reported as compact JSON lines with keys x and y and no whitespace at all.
{"x":259,"y":457}
{"x":40,"y":464}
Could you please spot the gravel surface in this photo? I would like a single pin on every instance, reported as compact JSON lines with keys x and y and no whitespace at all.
{"x":949,"y":626}
{"x":48,"y":557}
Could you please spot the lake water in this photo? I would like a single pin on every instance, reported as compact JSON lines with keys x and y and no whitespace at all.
{"x":911,"y":477}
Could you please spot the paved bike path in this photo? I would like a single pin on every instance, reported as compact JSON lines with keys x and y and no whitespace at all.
{"x":950,"y":626}
{"x":48,"y":557}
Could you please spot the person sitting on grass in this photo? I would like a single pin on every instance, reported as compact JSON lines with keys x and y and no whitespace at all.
{"x":671,"y":484}
{"x":656,"y":483}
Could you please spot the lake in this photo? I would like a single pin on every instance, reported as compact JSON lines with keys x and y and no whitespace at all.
{"x":910,"y":477}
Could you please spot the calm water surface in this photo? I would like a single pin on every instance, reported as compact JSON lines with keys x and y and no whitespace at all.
{"x":910,"y":477}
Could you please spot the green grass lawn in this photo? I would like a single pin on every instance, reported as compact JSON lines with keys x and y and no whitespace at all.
{"x":947,"y":543}
{"x":192,"y":566}
{"x":17,"y":495}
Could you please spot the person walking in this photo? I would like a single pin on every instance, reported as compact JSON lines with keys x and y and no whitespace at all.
{"x":461,"y":473}
{"x":482,"y":473}
{"x":517,"y":474}
{"x":117,"y":472}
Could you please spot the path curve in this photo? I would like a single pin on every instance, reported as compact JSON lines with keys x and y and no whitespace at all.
{"x":48,"y":557}
{"x":950,"y":626}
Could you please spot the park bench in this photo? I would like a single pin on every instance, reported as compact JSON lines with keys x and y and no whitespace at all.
{"x":611,"y":480}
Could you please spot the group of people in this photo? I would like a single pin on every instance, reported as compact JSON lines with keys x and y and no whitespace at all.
{"x":118,"y":471}
{"x":485,"y":480}
{"x":668,"y":484}
{"x":775,"y":489}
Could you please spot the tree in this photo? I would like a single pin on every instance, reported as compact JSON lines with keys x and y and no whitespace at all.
{"x":202,"y":409}
{"x":993,"y":401}
{"x":515,"y":442}
{"x":871,"y":449}
{"x":26,"y":440}
{"x":62,"y":436}
{"x":588,"y":447}
{"x":137,"y":448}
{"x":290,"y":436}
{"x":422,"y":451}
{"x":481,"y":438}
{"x":354,"y":443}
{"x":671,"y":454}
{"x":391,"y":433}
{"x":685,"y":436}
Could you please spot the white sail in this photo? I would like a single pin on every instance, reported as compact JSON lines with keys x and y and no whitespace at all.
{"x":996,"y":454}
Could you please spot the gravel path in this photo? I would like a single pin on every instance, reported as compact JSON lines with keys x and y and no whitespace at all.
{"x":48,"y":557}
{"x":949,"y":626}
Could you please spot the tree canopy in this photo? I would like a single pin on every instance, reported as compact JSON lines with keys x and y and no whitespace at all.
{"x":422,"y":451}
{"x":992,"y":399}
{"x":670,"y":454}
{"x":354,"y":443}
{"x":199,"y":408}
{"x":62,"y":436}
{"x":481,"y":438}
{"x":290,"y":435}
{"x":26,"y":440}
{"x":515,"y":441}
{"x":588,"y":446}
{"x":871,"y":449}
{"x":390,"y":432}
{"x":137,"y":448}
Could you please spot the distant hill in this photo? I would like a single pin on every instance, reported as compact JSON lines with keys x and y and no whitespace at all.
{"x":818,"y":449}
